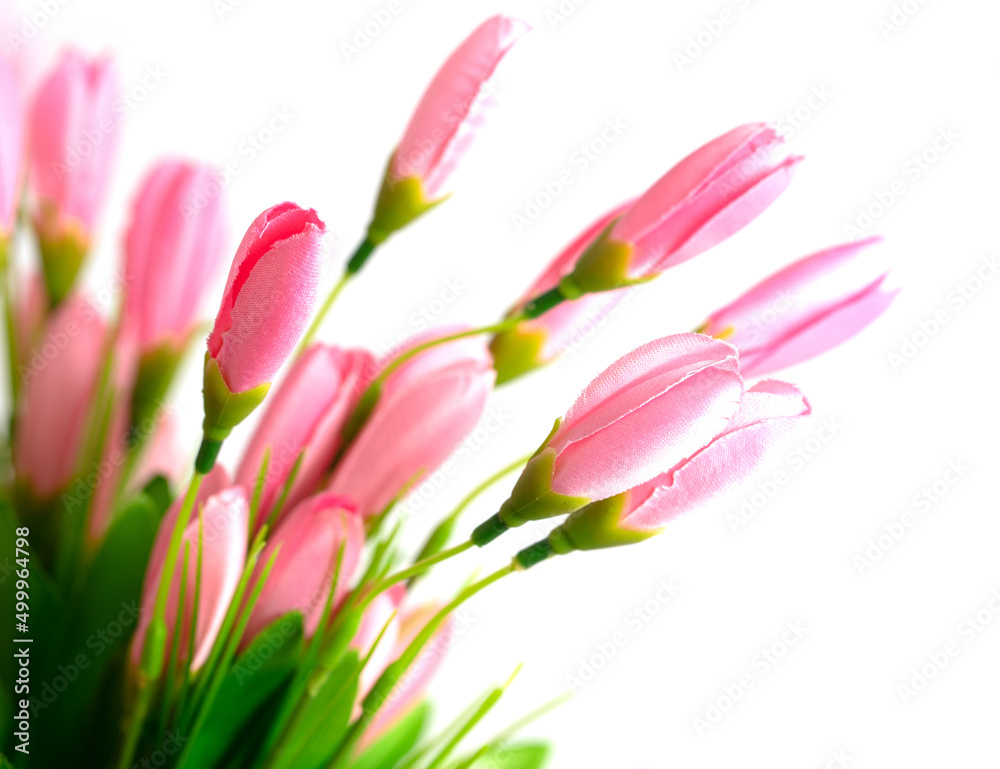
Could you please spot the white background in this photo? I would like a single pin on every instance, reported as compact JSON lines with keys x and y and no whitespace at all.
{"x":897,"y":423}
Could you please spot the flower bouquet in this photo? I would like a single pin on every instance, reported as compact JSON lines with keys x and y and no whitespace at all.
{"x":199,"y":617}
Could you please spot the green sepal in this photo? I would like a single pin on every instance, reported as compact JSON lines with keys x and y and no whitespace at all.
{"x":400,"y":201}
{"x":225,"y":409}
{"x":156,"y":370}
{"x":517,"y":351}
{"x":532,"y":498}
{"x":62,"y":256}
{"x":597,"y":526}
{"x":602,"y":267}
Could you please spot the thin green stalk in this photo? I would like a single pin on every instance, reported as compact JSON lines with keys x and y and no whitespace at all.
{"x":321,"y":314}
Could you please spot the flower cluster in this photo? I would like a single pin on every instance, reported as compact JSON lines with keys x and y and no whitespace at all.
{"x":275,"y":622}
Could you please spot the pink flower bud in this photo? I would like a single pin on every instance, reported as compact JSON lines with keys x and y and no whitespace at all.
{"x":269,"y":295}
{"x":309,"y":541}
{"x":805,"y":309}
{"x":451,"y":111}
{"x":711,"y":194}
{"x":305,"y":414}
{"x":223,"y":530}
{"x":74,"y":138}
{"x":426,"y":407}
{"x":541,"y":340}
{"x":172,"y":250}
{"x":58,"y":379}
{"x":647,"y":411}
{"x":11,"y":145}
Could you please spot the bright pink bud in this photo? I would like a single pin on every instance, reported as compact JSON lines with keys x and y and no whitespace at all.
{"x":648,"y":410}
{"x":711,"y":194}
{"x":451,"y":111}
{"x":309,"y":541}
{"x":426,"y":407}
{"x":172,"y":250}
{"x":805,"y":309}
{"x":768,"y":411}
{"x":413,"y":685}
{"x":58,"y":380}
{"x":269,"y":295}
{"x":74,"y":137}
{"x":223,"y":528}
{"x":11,"y":145}
{"x":305,"y":414}
{"x":541,"y":340}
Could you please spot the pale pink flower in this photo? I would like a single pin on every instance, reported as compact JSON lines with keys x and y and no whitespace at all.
{"x":306,"y":413}
{"x":221,"y":529}
{"x":451,"y":111}
{"x":74,"y":135}
{"x":425,"y":409}
{"x":381,"y":622}
{"x":805,"y":309}
{"x":269,"y":295}
{"x":172,"y":250}
{"x":309,"y":542}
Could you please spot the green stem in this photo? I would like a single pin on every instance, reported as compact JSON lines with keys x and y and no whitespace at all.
{"x":542,"y":303}
{"x":384,"y":686}
{"x":404,"y":574}
{"x":321,"y":315}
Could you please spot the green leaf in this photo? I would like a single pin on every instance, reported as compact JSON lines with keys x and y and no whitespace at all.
{"x":322,"y":723}
{"x":525,"y":755}
{"x":254,"y":678}
{"x":389,"y":749}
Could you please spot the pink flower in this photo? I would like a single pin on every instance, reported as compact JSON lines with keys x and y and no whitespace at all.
{"x":305,"y":414}
{"x":58,"y":380}
{"x":711,"y":194}
{"x":171,"y":251}
{"x":541,"y":340}
{"x":805,"y":309}
{"x":768,"y":410}
{"x":166,"y":453}
{"x":74,"y":139}
{"x":223,"y":527}
{"x":417,"y":678}
{"x":381,"y":622}
{"x":647,"y":411}
{"x":29,"y":306}
{"x":309,"y":541}
{"x":11,"y":145}
{"x":446,"y":121}
{"x":426,"y":407}
{"x":269,"y":295}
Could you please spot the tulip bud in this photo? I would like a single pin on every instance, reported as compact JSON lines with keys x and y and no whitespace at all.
{"x":269,"y":296}
{"x":310,"y":541}
{"x":711,"y":194}
{"x":805,"y":309}
{"x":426,"y":407}
{"x":441,"y":130}
{"x":171,"y":252}
{"x":74,"y":139}
{"x":768,"y":411}
{"x":305,"y":417}
{"x":221,"y":532}
{"x":538,"y":341}
{"x":648,"y":410}
{"x":58,"y":381}
{"x":11,"y":151}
